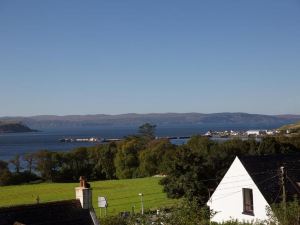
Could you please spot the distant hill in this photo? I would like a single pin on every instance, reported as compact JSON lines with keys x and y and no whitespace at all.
{"x":201,"y":120}
{"x":292,"y":127}
{"x":13,"y":127}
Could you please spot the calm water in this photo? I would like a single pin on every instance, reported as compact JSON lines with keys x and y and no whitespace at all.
{"x":20,"y":143}
{"x":11,"y":144}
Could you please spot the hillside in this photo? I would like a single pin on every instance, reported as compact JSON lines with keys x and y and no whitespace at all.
{"x":292,"y":127}
{"x":13,"y":127}
{"x":212,"y":120}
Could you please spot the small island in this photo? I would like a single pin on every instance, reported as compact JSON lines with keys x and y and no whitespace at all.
{"x":14,"y":127}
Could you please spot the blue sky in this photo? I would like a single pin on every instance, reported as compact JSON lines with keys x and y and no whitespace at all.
{"x":85,"y":57}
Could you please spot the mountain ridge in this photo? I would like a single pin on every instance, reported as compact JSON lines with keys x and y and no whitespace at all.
{"x":222,"y":120}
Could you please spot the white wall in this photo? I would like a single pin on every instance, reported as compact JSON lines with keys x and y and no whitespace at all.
{"x":227,"y":200}
{"x":252,"y":132}
{"x":84,"y":195}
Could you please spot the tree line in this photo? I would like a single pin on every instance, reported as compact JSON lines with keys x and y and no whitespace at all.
{"x":137,"y":155}
{"x":130,"y":158}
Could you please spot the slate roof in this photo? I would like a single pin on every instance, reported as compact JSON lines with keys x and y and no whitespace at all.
{"x":58,"y":213}
{"x":264,"y":170}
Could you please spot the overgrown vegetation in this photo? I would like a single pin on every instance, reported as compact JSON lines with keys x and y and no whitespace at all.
{"x":286,"y":214}
{"x":190,"y":213}
{"x":185,"y":213}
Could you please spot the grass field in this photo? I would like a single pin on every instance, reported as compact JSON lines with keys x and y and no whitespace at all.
{"x":121,"y":194}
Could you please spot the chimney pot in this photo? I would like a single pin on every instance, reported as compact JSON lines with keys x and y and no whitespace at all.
{"x":82,"y":181}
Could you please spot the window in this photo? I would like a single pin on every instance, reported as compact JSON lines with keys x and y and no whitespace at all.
{"x":248,"y":201}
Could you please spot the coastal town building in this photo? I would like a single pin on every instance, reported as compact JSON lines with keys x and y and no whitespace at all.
{"x":255,"y":132}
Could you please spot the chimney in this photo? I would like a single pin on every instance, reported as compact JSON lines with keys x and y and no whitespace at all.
{"x":84,"y":194}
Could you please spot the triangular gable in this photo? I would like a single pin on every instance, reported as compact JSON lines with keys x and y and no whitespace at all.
{"x":227,"y":199}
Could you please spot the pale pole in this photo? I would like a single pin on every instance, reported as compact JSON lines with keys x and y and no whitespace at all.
{"x":282,"y":176}
{"x":210,"y":200}
{"x":142,"y":203}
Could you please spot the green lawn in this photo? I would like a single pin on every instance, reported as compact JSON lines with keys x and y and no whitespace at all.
{"x":121,"y":194}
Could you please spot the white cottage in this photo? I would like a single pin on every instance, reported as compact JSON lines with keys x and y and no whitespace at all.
{"x":252,"y":184}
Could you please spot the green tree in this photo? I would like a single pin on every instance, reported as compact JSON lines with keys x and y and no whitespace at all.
{"x":188,"y":213}
{"x":16,"y":162}
{"x":269,"y":145}
{"x":155,"y":158}
{"x":102,"y":158}
{"x":46,"y":164}
{"x":186,"y":174}
{"x":74,"y":164}
{"x":5,"y":174}
{"x":81,"y":163}
{"x":29,"y":159}
{"x":127,"y":161}
{"x":147,"y":131}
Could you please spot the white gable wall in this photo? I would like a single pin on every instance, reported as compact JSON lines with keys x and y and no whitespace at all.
{"x":227,"y":200}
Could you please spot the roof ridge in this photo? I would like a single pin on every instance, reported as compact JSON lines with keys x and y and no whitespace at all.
{"x":62,"y":202}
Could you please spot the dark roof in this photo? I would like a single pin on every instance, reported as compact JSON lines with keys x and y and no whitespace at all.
{"x":62,"y":212}
{"x":265,"y":172}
